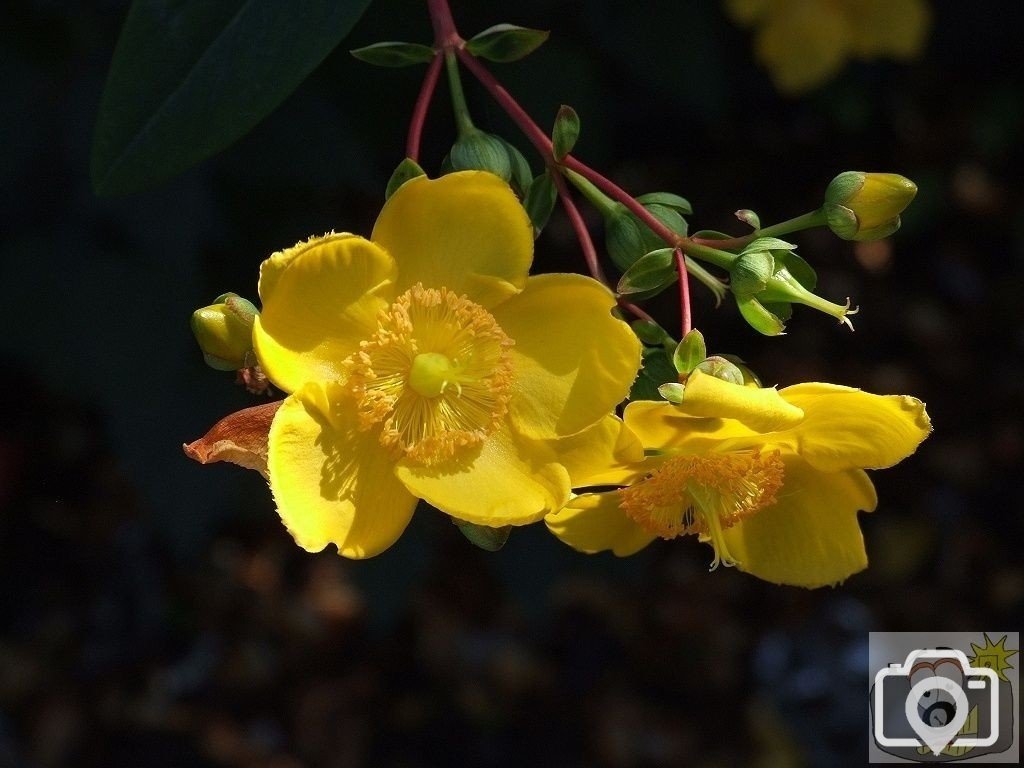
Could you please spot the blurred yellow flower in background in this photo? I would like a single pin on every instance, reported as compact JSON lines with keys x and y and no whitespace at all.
{"x":804,"y":43}
{"x":773,"y":483}
{"x":425,"y":363}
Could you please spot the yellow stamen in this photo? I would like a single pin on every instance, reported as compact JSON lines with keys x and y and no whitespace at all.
{"x":437,"y":375}
{"x":704,"y":495}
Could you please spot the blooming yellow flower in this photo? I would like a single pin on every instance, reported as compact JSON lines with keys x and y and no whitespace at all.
{"x":772,"y":480}
{"x":425,"y":363}
{"x":804,"y":43}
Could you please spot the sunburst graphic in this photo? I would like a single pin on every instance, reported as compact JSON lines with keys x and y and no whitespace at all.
{"x":994,"y":656}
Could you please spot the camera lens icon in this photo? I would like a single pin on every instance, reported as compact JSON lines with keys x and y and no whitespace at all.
{"x":936,"y":707}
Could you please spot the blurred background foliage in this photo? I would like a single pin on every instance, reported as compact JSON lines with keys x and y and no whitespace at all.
{"x":154,"y":612}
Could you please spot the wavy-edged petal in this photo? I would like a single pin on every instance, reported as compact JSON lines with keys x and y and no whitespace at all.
{"x":504,"y":481}
{"x":760,"y":408}
{"x":594,"y":522}
{"x":607,"y":453}
{"x":465,"y":231}
{"x":811,"y":536}
{"x":240,"y":438}
{"x":320,"y":299}
{"x":845,"y":428}
{"x":573,"y":360}
{"x":332,"y":482}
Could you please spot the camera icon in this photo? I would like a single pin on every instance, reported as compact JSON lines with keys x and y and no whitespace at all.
{"x":926,"y":695}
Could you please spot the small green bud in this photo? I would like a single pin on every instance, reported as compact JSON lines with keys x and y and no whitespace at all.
{"x":749,"y":218}
{"x":751,"y":272}
{"x":483,"y":536}
{"x":565,"y":132}
{"x":750,"y":379}
{"x":477,"y":150}
{"x":722,"y":369}
{"x":224,"y":331}
{"x":626,"y":238}
{"x":867,"y":206}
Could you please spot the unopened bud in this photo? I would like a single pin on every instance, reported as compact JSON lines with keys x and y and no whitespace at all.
{"x":626,"y":238}
{"x":867,"y":206}
{"x":480,"y":151}
{"x":224,"y":331}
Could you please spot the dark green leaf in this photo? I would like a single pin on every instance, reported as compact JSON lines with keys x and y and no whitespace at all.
{"x":667,"y":199}
{"x":650,"y":332}
{"x":407,"y":169}
{"x":489,"y":539}
{"x":657,"y":370}
{"x":540,"y":201}
{"x":395,"y":54}
{"x":650,"y":272}
{"x":565,"y":132}
{"x":190,"y":77}
{"x":506,"y":42}
{"x":759,"y":317}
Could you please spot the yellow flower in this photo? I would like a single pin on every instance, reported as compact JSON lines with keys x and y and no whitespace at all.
{"x":773,"y":481}
{"x":425,"y":363}
{"x":805,"y":43}
{"x":867,"y":206}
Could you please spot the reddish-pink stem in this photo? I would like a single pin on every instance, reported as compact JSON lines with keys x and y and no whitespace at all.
{"x":684,"y":292}
{"x":580,"y":228}
{"x":419,"y":113}
{"x":445,"y":34}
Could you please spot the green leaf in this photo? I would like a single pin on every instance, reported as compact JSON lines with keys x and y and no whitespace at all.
{"x":657,"y":370}
{"x":394,"y":54}
{"x":565,"y":132}
{"x":711,"y":234}
{"x":540,"y":201}
{"x":626,"y":238}
{"x":506,"y":42}
{"x":759,"y":317}
{"x":653,"y":271}
{"x":667,"y":199}
{"x":748,"y":217}
{"x":522,"y":174}
{"x":489,"y":539}
{"x":190,"y":77}
{"x":690,"y":352}
{"x":768,"y":244}
{"x":672,"y":391}
{"x":407,"y":169}
{"x":802,"y":271}
{"x":650,"y":332}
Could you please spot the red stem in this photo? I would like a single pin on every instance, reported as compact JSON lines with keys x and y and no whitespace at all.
{"x":419,"y":113}
{"x":580,"y":228}
{"x":684,"y":292}
{"x":445,"y":34}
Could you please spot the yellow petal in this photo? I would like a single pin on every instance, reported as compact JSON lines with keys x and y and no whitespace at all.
{"x":504,"y":481}
{"x":845,"y":428}
{"x":663,"y":426}
{"x":594,"y":522}
{"x":466,"y":231}
{"x":573,"y":361}
{"x":810,"y":537}
{"x":882,"y":27}
{"x":803,"y":44}
{"x":760,"y":408}
{"x":320,"y":299}
{"x":604,"y":454}
{"x":332,"y":482}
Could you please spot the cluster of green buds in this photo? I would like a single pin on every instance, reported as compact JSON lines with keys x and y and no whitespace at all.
{"x":691,"y":355}
{"x":223,"y":331}
{"x":867,"y":206}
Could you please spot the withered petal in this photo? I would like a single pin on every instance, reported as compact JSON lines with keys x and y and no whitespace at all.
{"x":240,"y":438}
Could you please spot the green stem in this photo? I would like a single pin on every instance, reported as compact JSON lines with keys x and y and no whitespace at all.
{"x":722,"y":259}
{"x":604,"y":204}
{"x":806,"y":221}
{"x":462,"y":119}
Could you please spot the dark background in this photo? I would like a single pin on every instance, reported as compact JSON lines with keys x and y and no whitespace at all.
{"x":154,"y":612}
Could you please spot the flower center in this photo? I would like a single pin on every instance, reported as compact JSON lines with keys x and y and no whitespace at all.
{"x":704,"y":495}
{"x":436,"y":375}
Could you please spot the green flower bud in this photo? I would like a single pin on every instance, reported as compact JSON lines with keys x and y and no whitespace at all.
{"x":224,"y":331}
{"x":751,"y":272}
{"x":867,"y":206}
{"x":722,"y":369}
{"x":626,"y":238}
{"x":477,"y":150}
